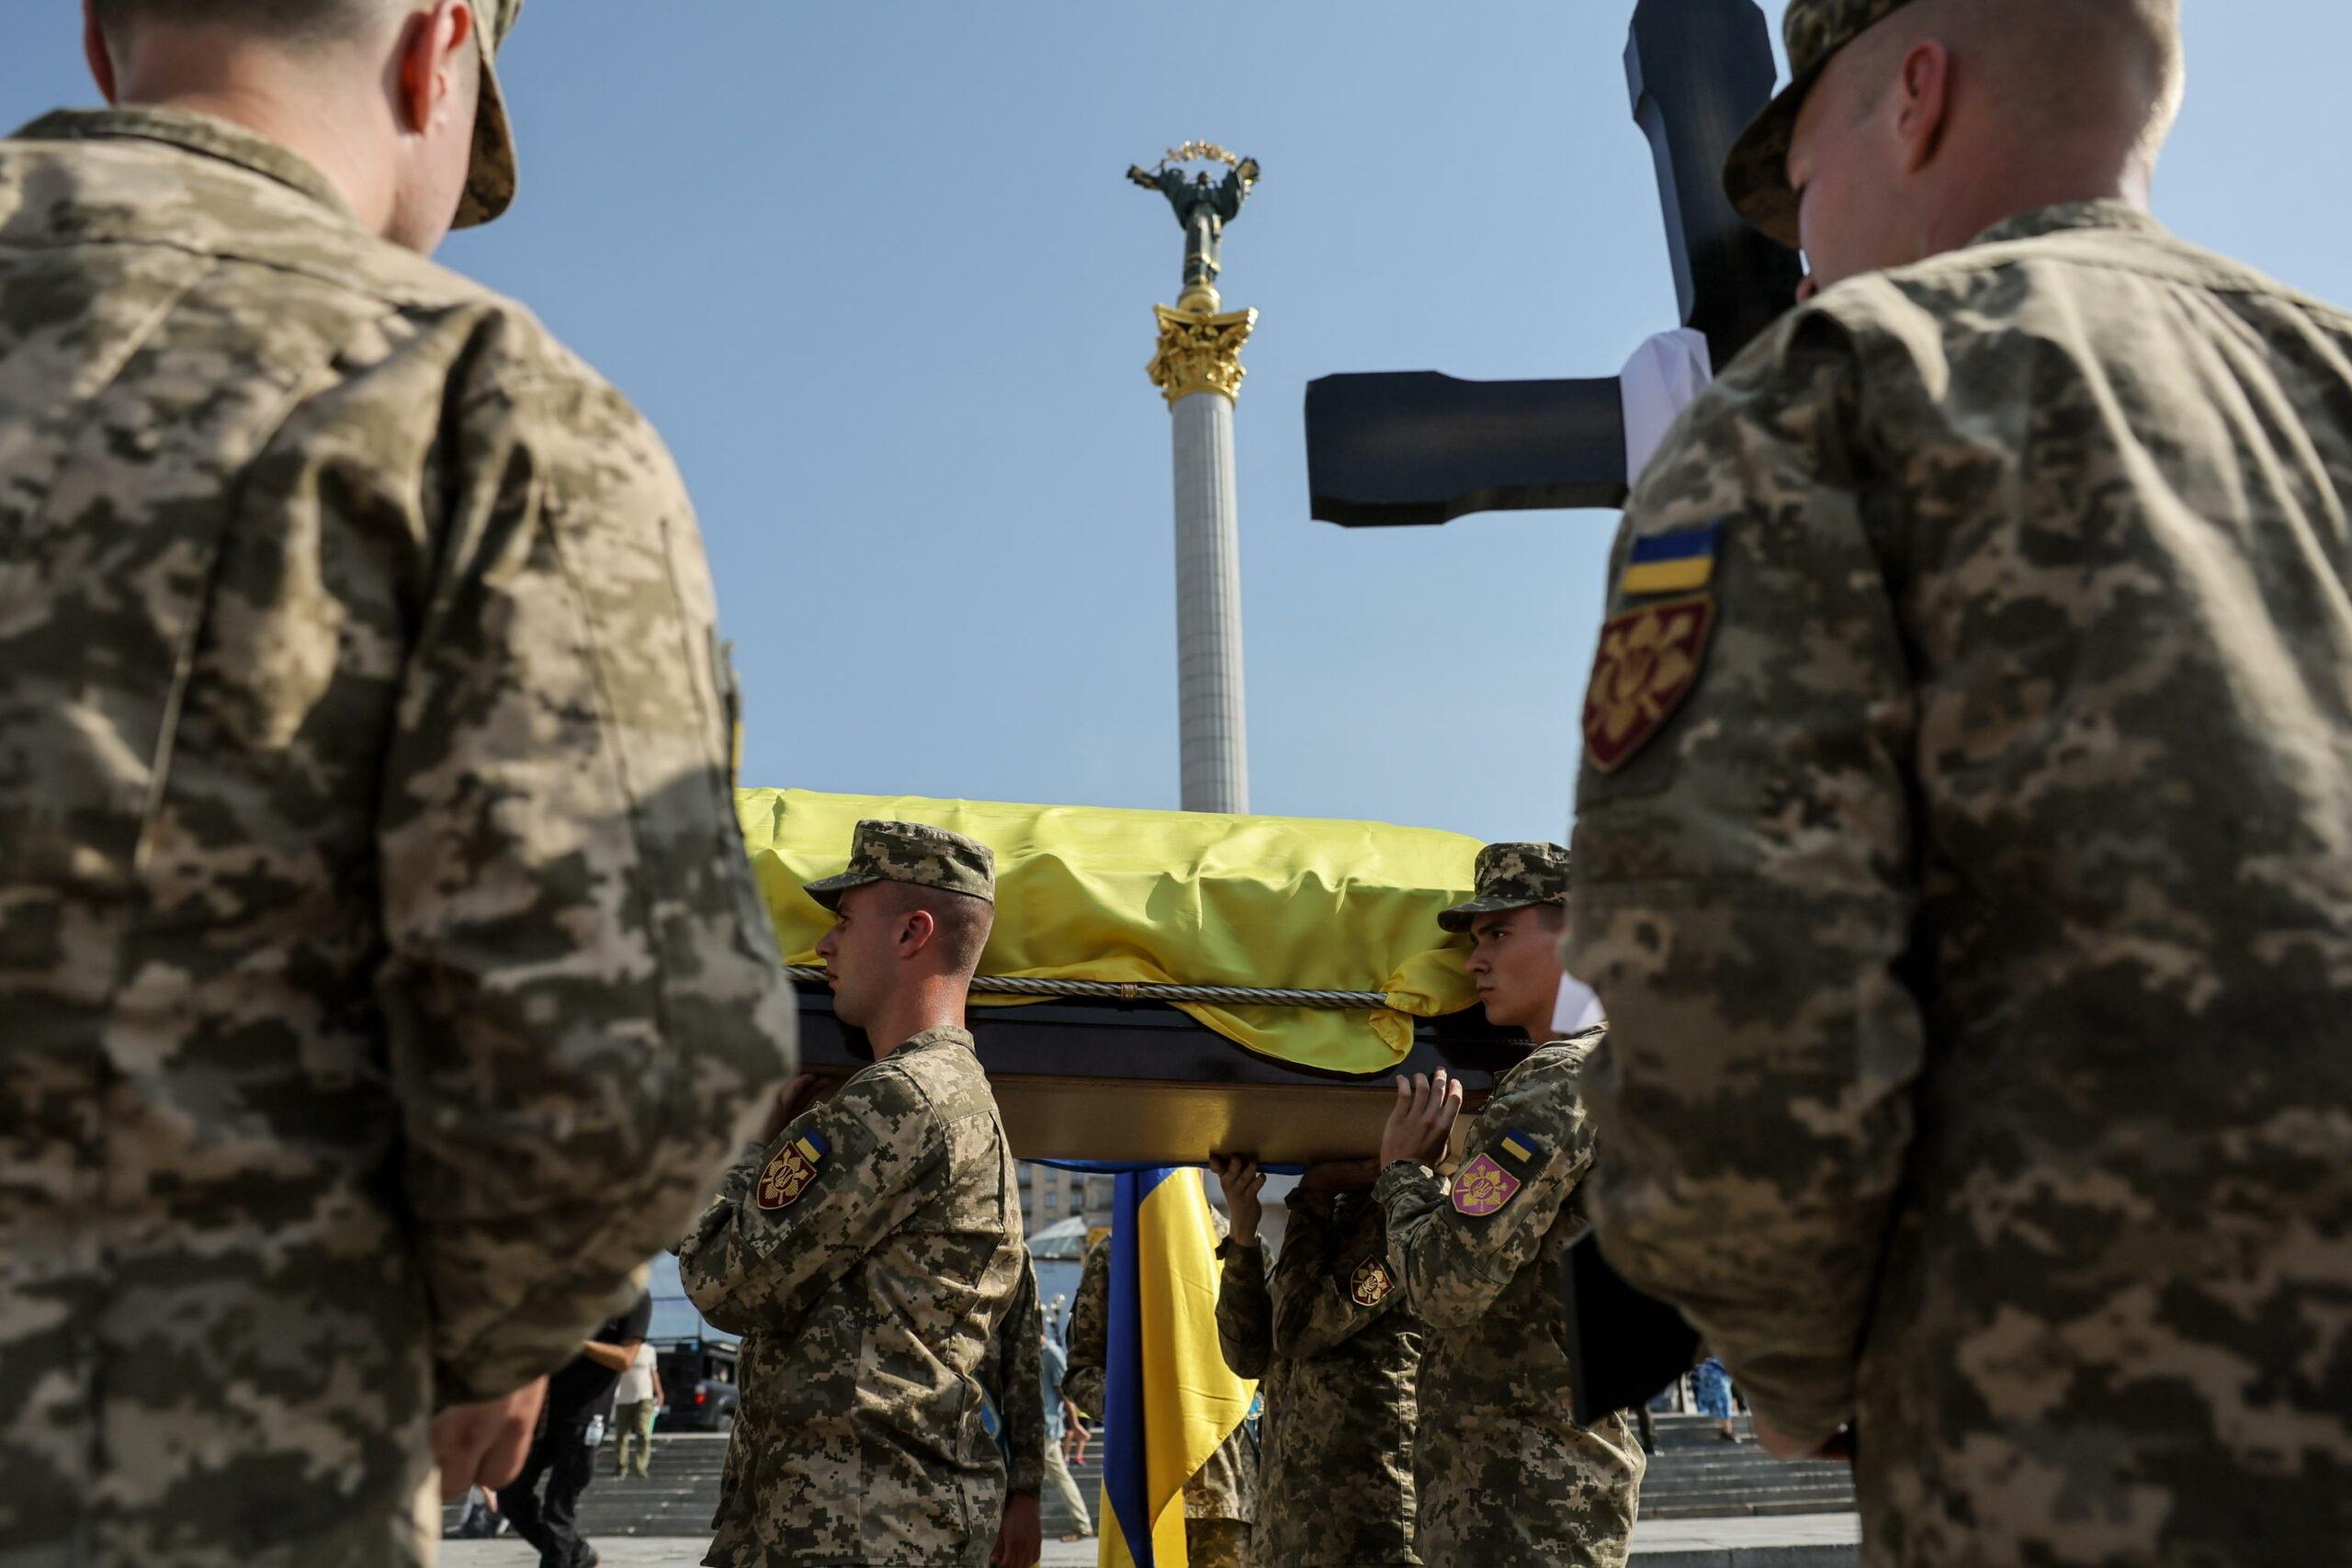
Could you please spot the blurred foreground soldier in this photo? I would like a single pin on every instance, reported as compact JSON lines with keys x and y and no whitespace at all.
{"x":1336,"y":1357}
{"x":381,"y":969}
{"x":1221,"y":1497}
{"x":1502,"y":1472}
{"x":868,"y":1249}
{"x":1966,"y":837}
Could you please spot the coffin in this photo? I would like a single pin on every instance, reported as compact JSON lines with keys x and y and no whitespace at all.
{"x":1133,"y":899}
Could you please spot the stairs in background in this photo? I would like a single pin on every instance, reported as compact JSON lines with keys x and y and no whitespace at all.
{"x":1694,"y":1474}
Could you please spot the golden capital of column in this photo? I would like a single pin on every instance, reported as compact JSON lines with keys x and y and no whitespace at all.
{"x":1200,"y":351}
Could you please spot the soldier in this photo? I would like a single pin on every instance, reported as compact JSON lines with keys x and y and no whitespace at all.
{"x":1965,"y":833}
{"x":1221,"y":1497}
{"x":1336,"y":1356}
{"x":868,"y":1249}
{"x":1502,"y":1471}
{"x":381,"y":967}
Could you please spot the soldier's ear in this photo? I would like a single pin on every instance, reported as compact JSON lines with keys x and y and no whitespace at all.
{"x":93,"y":50}
{"x":917,"y":927}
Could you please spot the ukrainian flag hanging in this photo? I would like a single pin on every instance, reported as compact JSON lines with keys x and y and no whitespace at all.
{"x":1169,"y":1399}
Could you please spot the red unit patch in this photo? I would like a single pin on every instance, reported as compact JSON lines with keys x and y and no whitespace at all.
{"x":1371,"y":1282}
{"x":1648,"y":662}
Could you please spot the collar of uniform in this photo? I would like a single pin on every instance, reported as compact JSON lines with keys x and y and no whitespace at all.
{"x":947,"y":1035}
{"x":2118,"y":216}
{"x":200,"y":133}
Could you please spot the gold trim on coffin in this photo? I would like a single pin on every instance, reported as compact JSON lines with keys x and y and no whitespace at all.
{"x":1200,"y":351}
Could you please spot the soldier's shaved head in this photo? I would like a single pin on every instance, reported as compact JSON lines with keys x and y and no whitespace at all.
{"x":960,"y":923}
{"x":2111,"y":69}
{"x":293,"y":23}
{"x":1949,"y":115}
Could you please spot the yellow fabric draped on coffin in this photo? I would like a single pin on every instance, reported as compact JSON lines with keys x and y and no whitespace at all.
{"x":1172,"y":898}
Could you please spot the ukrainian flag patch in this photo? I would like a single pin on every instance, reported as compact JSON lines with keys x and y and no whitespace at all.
{"x":1679,"y":562}
{"x":787,"y":1175}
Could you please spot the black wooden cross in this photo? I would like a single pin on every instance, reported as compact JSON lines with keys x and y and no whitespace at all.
{"x":1422,"y":447}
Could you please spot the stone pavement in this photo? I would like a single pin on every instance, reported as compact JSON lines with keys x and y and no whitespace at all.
{"x":1796,"y":1540}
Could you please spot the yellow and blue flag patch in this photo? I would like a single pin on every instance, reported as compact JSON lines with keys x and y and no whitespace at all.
{"x":1680,"y":563}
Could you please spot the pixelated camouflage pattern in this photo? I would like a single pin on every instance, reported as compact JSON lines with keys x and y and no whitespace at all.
{"x":1335,"y":1461}
{"x":382,"y":978}
{"x":1512,"y":877}
{"x":1015,"y":1379}
{"x":915,"y":853}
{"x":1755,"y":174}
{"x":1225,"y":1487}
{"x":1502,"y":1471}
{"x":869,"y":1311}
{"x":491,"y":177}
{"x":1217,"y":1544}
{"x":1977,"y":939}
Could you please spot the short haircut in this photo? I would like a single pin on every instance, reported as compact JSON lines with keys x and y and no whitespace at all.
{"x":295,"y":22}
{"x":2113,"y":66}
{"x":961,"y":922}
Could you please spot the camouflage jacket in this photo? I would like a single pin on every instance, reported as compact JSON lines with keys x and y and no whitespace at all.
{"x":1015,"y":1379}
{"x":383,"y":975}
{"x":1337,"y":1359}
{"x":869,"y":1257}
{"x":1503,"y":1473}
{"x":1977,"y":933}
{"x":1224,"y":1488}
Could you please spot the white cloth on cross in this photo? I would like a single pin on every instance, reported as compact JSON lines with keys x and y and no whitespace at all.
{"x":1578,"y":1008}
{"x":1665,"y":376}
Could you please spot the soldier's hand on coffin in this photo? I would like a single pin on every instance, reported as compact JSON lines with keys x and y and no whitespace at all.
{"x":1341,"y":1176}
{"x":1242,"y":1182}
{"x":790,"y":1102}
{"x":1422,"y":1123}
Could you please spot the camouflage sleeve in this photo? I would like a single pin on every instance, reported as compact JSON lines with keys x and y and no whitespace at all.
{"x":1455,"y":1249}
{"x":583,"y":1001}
{"x":1021,"y":1391}
{"x":1315,"y":1306}
{"x":1090,"y":1333}
{"x":792,"y":1221}
{"x":1743,"y":895}
{"x":1245,"y":1313}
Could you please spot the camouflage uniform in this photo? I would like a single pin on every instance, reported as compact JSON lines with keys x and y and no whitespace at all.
{"x":382,"y":975}
{"x":1016,"y":1378}
{"x":1976,"y":933}
{"x":869,"y":1257}
{"x":1337,"y":1358}
{"x":1221,"y":1499}
{"x":1502,"y":1471}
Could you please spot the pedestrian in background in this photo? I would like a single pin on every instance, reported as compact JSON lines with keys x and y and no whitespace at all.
{"x":1059,"y":1411}
{"x":636,"y":1402}
{"x":563,"y":1457}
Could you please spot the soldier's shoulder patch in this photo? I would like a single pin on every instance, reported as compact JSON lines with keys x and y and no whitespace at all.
{"x":790,"y":1170}
{"x":1482,"y":1187}
{"x":1649,"y":660}
{"x":1520,"y":1151}
{"x":1371,"y":1283}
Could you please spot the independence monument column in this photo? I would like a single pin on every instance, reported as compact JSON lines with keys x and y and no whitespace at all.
{"x":1198,"y":370}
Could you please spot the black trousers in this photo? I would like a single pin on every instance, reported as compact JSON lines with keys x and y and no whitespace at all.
{"x":562,"y":1457}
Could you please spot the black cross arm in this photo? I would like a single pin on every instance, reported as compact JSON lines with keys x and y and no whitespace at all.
{"x":1418,"y":447}
{"x":1421,"y":447}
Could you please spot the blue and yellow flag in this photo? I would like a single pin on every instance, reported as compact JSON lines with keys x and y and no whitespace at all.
{"x":1169,"y":1399}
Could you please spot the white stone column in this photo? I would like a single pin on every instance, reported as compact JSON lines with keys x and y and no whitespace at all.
{"x":1213,"y":712}
{"x":1198,"y":370}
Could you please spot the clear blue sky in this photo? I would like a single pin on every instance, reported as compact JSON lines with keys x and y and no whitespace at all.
{"x":873,"y":270}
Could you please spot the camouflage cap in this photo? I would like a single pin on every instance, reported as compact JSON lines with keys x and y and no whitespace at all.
{"x":915,"y":853}
{"x":489,"y":182}
{"x":1756,"y":175}
{"x":1513,"y":876}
